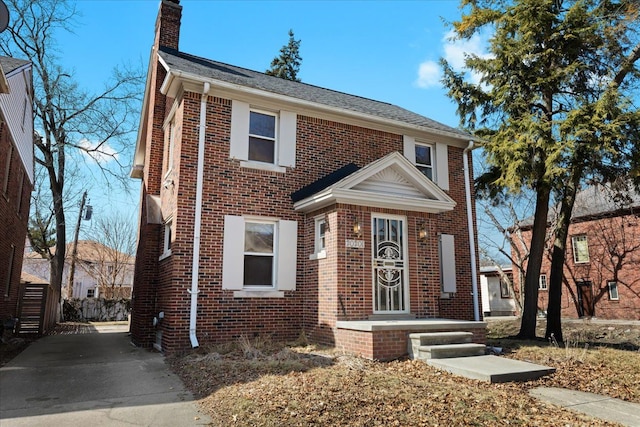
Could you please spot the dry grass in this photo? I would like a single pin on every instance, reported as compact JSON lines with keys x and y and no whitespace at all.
{"x":262,"y":383}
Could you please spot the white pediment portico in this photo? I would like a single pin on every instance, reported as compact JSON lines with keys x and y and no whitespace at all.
{"x":390,"y":182}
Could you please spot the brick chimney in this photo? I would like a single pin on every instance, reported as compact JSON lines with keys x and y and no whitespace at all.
{"x":168,"y":24}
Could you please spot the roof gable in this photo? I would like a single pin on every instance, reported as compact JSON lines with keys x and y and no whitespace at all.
{"x":389,"y":182}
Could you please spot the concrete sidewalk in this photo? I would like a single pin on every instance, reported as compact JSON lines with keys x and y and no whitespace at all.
{"x":602,"y":407}
{"x":97,"y":379}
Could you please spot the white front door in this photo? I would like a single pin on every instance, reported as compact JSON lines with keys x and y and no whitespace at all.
{"x":389,"y":243}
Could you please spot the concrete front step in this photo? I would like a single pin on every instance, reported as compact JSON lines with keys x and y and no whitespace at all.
{"x":417,"y":340}
{"x":444,"y":351}
{"x":493,"y":369}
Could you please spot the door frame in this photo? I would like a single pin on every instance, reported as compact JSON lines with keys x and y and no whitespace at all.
{"x":405,"y":258}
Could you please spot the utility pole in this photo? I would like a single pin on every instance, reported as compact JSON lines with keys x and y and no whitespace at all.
{"x":74,"y":250}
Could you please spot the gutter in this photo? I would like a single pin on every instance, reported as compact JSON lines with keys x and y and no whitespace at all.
{"x":472,"y":240}
{"x":198,"y":220}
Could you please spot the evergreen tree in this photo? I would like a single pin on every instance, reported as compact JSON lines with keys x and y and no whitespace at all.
{"x":554,"y":106}
{"x":287,"y":64}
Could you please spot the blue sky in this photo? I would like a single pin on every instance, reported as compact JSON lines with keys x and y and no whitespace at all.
{"x":382,"y":50}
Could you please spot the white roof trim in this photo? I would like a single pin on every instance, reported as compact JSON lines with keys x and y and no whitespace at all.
{"x":175,"y":77}
{"x":434,"y":199}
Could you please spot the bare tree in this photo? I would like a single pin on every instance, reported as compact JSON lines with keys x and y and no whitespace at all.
{"x":68,"y":119}
{"x":114,"y":254}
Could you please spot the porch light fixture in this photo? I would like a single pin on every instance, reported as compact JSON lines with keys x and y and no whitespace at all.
{"x":422,"y":233}
{"x":357,"y":229}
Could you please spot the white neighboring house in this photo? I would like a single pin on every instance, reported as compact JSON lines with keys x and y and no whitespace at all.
{"x":497,"y":298}
{"x":97,"y":267}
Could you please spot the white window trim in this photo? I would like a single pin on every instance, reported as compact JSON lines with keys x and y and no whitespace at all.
{"x":273,"y":254}
{"x":440,"y":158}
{"x":574,"y":241}
{"x":285,"y":252}
{"x":609,"y":283}
{"x":168,"y":231}
{"x":318,"y":252}
{"x":285,"y":144}
{"x":432,"y":150}
{"x":171,"y":148}
{"x":546,"y":284}
{"x":276,"y":136}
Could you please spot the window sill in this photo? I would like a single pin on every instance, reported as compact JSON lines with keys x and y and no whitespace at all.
{"x":262,"y":166}
{"x":318,"y":255}
{"x":164,"y":255}
{"x":258,"y":294}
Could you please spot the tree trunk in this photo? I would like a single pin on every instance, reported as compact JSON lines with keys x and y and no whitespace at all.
{"x":561,"y":232}
{"x":538,"y":237}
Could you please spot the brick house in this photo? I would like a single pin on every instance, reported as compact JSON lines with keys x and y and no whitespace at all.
{"x":276,"y":207}
{"x":16,"y":181}
{"x":602,"y":265}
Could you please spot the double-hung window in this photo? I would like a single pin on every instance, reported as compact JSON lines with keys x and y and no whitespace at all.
{"x":430,"y":157}
{"x":424,"y":159}
{"x":542,"y":282}
{"x":580,"y":249}
{"x":262,"y":136}
{"x":259,"y":238}
{"x":259,"y":256}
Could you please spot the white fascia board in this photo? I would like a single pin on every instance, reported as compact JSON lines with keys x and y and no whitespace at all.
{"x":139,"y":152}
{"x":170,"y":87}
{"x":374,"y":200}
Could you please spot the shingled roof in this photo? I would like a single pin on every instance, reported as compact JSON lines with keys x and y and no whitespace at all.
{"x":205,"y":68}
{"x":598,"y":201}
{"x":10,"y":64}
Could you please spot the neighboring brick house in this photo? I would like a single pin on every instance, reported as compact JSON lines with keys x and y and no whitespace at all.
{"x":602,"y":265}
{"x":276,"y":207}
{"x":17,"y":176}
{"x":100,"y":271}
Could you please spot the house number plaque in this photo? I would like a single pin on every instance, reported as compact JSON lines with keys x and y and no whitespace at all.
{"x":359,"y":244}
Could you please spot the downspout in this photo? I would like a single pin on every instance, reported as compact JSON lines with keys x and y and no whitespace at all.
{"x":472,"y":239}
{"x":198,"y":220}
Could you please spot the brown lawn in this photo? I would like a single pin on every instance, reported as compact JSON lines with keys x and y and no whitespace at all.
{"x":263,"y":383}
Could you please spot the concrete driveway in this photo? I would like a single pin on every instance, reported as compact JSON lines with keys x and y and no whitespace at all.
{"x":94,"y":378}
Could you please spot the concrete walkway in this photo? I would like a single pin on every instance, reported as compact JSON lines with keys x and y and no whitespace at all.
{"x":602,"y":407}
{"x":96,"y":378}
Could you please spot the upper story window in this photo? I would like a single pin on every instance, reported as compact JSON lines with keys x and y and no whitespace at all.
{"x":580,"y":249}
{"x":169,"y":146}
{"x":424,"y":159}
{"x":542,"y":282}
{"x":432,"y":158}
{"x":262,"y":137}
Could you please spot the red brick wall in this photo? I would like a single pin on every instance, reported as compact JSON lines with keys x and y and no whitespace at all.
{"x":613,"y":255}
{"x":14,"y":215}
{"x":324,"y":286}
